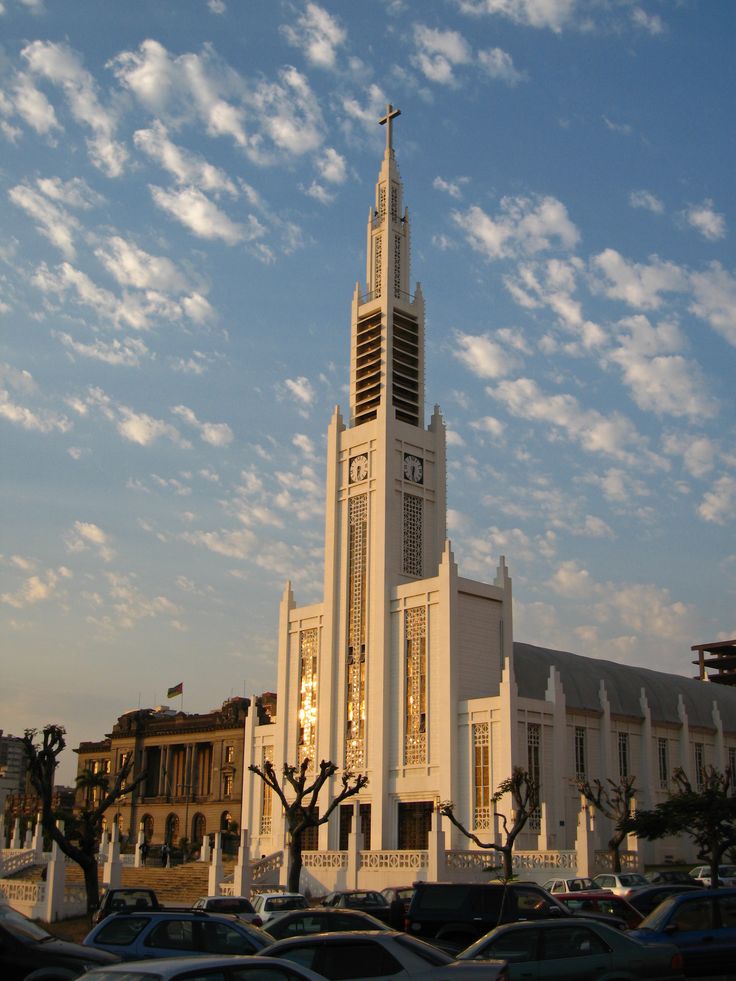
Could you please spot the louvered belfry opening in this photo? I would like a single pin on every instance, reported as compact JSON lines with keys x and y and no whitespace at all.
{"x":405,"y":381}
{"x":368,"y":368}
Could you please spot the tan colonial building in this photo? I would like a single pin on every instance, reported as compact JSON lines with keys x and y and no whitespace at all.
{"x":193,"y":765}
{"x":408,"y":671}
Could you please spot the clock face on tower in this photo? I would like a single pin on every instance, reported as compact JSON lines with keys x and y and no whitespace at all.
{"x":413,"y":468}
{"x":358,"y":468}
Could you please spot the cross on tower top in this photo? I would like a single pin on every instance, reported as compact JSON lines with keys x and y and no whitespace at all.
{"x":391,"y":114}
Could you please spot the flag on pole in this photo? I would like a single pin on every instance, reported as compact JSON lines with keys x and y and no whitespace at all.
{"x":176,"y":690}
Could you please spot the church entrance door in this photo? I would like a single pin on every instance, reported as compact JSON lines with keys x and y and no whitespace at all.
{"x":415,"y":820}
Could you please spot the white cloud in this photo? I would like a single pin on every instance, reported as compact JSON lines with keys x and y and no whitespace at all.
{"x":84,"y":535}
{"x":714,"y":299}
{"x":214,"y":433}
{"x":570,"y":580}
{"x":301,"y":389}
{"x":132,"y":266}
{"x":61,"y":66}
{"x":623,"y":128}
{"x":290,"y":113}
{"x":550,"y":14}
{"x":499,"y":64}
{"x":37,"y":588}
{"x":332,"y":166}
{"x":699,"y":453}
{"x":40,"y":421}
{"x":488,"y":424}
{"x":651,"y":23}
{"x":53,"y":222}
{"x":33,"y":106}
{"x":523,"y":225}
{"x":646,"y":200}
{"x":127,"y":353}
{"x":483,"y":356}
{"x":195,"y":211}
{"x":705,"y":220}
{"x":239,"y":544}
{"x":613,"y":435}
{"x":453,"y":188}
{"x":659,"y":379}
{"x":140,"y":428}
{"x":719,"y":503}
{"x":637,"y":284}
{"x":317,"y":34}
{"x":185,"y":166}
{"x":217,"y":6}
{"x":439,"y":52}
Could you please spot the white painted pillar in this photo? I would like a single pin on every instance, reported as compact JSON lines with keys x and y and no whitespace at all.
{"x":436,"y":866}
{"x":204,"y":852}
{"x":355,"y":844}
{"x":215,"y":873}
{"x":2,"y":833}
{"x":720,"y":760}
{"x":138,"y":858}
{"x":15,"y":840}
{"x":585,"y":839}
{"x":554,"y":781}
{"x":111,"y":868}
{"x":37,"y":843}
{"x":55,"y":879}
{"x":685,"y":761}
{"x":241,"y":874}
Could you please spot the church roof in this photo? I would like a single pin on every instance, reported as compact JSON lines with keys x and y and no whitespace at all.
{"x":581,"y":678}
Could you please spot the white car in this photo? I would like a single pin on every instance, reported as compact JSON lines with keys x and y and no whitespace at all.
{"x":726,"y":875}
{"x":580,"y":883}
{"x":238,"y":906}
{"x":621,"y":883}
{"x":367,"y":956}
{"x":268,"y":904}
{"x":220,"y":968}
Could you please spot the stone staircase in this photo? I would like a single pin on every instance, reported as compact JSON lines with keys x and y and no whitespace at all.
{"x":177,"y":886}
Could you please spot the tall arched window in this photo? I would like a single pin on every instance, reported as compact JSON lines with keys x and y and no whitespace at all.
{"x":172,"y":829}
{"x":147,"y":822}
{"x":199,"y":829}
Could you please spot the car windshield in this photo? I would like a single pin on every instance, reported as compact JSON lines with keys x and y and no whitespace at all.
{"x":102,"y":975}
{"x":279,"y":903}
{"x":659,"y":916}
{"x":432,"y":955}
{"x":229,"y":905}
{"x":634,"y":879}
{"x":21,"y":928}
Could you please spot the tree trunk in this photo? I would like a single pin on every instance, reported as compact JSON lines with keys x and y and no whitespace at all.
{"x":295,"y":862}
{"x":508,"y":867}
{"x":91,"y":883}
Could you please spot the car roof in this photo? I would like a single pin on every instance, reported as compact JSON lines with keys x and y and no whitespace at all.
{"x":589,"y":894}
{"x":163,"y":964}
{"x":339,"y":935}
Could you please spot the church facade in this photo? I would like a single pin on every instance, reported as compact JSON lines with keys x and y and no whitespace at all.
{"x":407,"y":671}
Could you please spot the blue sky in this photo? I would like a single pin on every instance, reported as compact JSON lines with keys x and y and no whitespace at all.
{"x":184,"y":193}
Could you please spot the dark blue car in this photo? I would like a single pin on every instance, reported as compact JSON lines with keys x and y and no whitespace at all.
{"x":702,"y":924}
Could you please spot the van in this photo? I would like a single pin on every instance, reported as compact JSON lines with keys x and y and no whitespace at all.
{"x":454,"y":914}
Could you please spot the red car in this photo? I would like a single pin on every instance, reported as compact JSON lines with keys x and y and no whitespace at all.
{"x":601,"y":902}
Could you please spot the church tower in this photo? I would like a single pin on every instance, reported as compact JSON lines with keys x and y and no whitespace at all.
{"x":370,"y":678}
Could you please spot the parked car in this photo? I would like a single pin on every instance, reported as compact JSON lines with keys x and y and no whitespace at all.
{"x":457,"y":913}
{"x":621,"y":911}
{"x":726,"y":875}
{"x":209,"y":968}
{"x":670,"y":877}
{"x":121,"y":899}
{"x":26,"y":948}
{"x":174,"y":934}
{"x":398,"y":898}
{"x":320,"y":919}
{"x":578,"y":884}
{"x":576,"y":950}
{"x":269,"y":904}
{"x":620,"y":883}
{"x":649,"y":897}
{"x":237,"y":906}
{"x":366,"y":900}
{"x":366,"y":956}
{"x":702,"y":924}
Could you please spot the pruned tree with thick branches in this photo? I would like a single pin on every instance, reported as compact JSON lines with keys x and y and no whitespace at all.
{"x":524,"y":793}
{"x":706,"y":812}
{"x":298,"y":793}
{"x":613,"y":799}
{"x":101,"y":794}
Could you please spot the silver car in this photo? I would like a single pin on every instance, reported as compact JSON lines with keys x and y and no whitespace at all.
{"x":365,"y":956}
{"x":205,"y":969}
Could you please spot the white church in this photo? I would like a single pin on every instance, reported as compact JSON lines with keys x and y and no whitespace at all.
{"x":409,"y":672}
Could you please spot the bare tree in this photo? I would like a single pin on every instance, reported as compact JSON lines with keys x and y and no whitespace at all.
{"x":299,"y":795}
{"x":613,"y":800}
{"x":100,"y":795}
{"x":525,"y":797}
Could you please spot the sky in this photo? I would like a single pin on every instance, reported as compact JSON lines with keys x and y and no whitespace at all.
{"x":184,"y":189}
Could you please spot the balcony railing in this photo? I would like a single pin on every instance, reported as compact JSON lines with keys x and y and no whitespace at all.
{"x":401,"y":295}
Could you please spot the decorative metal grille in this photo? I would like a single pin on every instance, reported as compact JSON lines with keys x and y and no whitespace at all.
{"x":267,"y":798}
{"x":481,"y":776}
{"x":397,"y":266}
{"x":699,"y":765}
{"x":623,"y":754}
{"x":308,"y":654}
{"x":358,"y":560}
{"x":580,"y":769}
{"x":377,"y":265}
{"x":415,"y":641}
{"x":533,"y":743}
{"x":412,"y":535}
{"x":394,"y":202}
{"x":663,"y":761}
{"x":382,"y":203}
